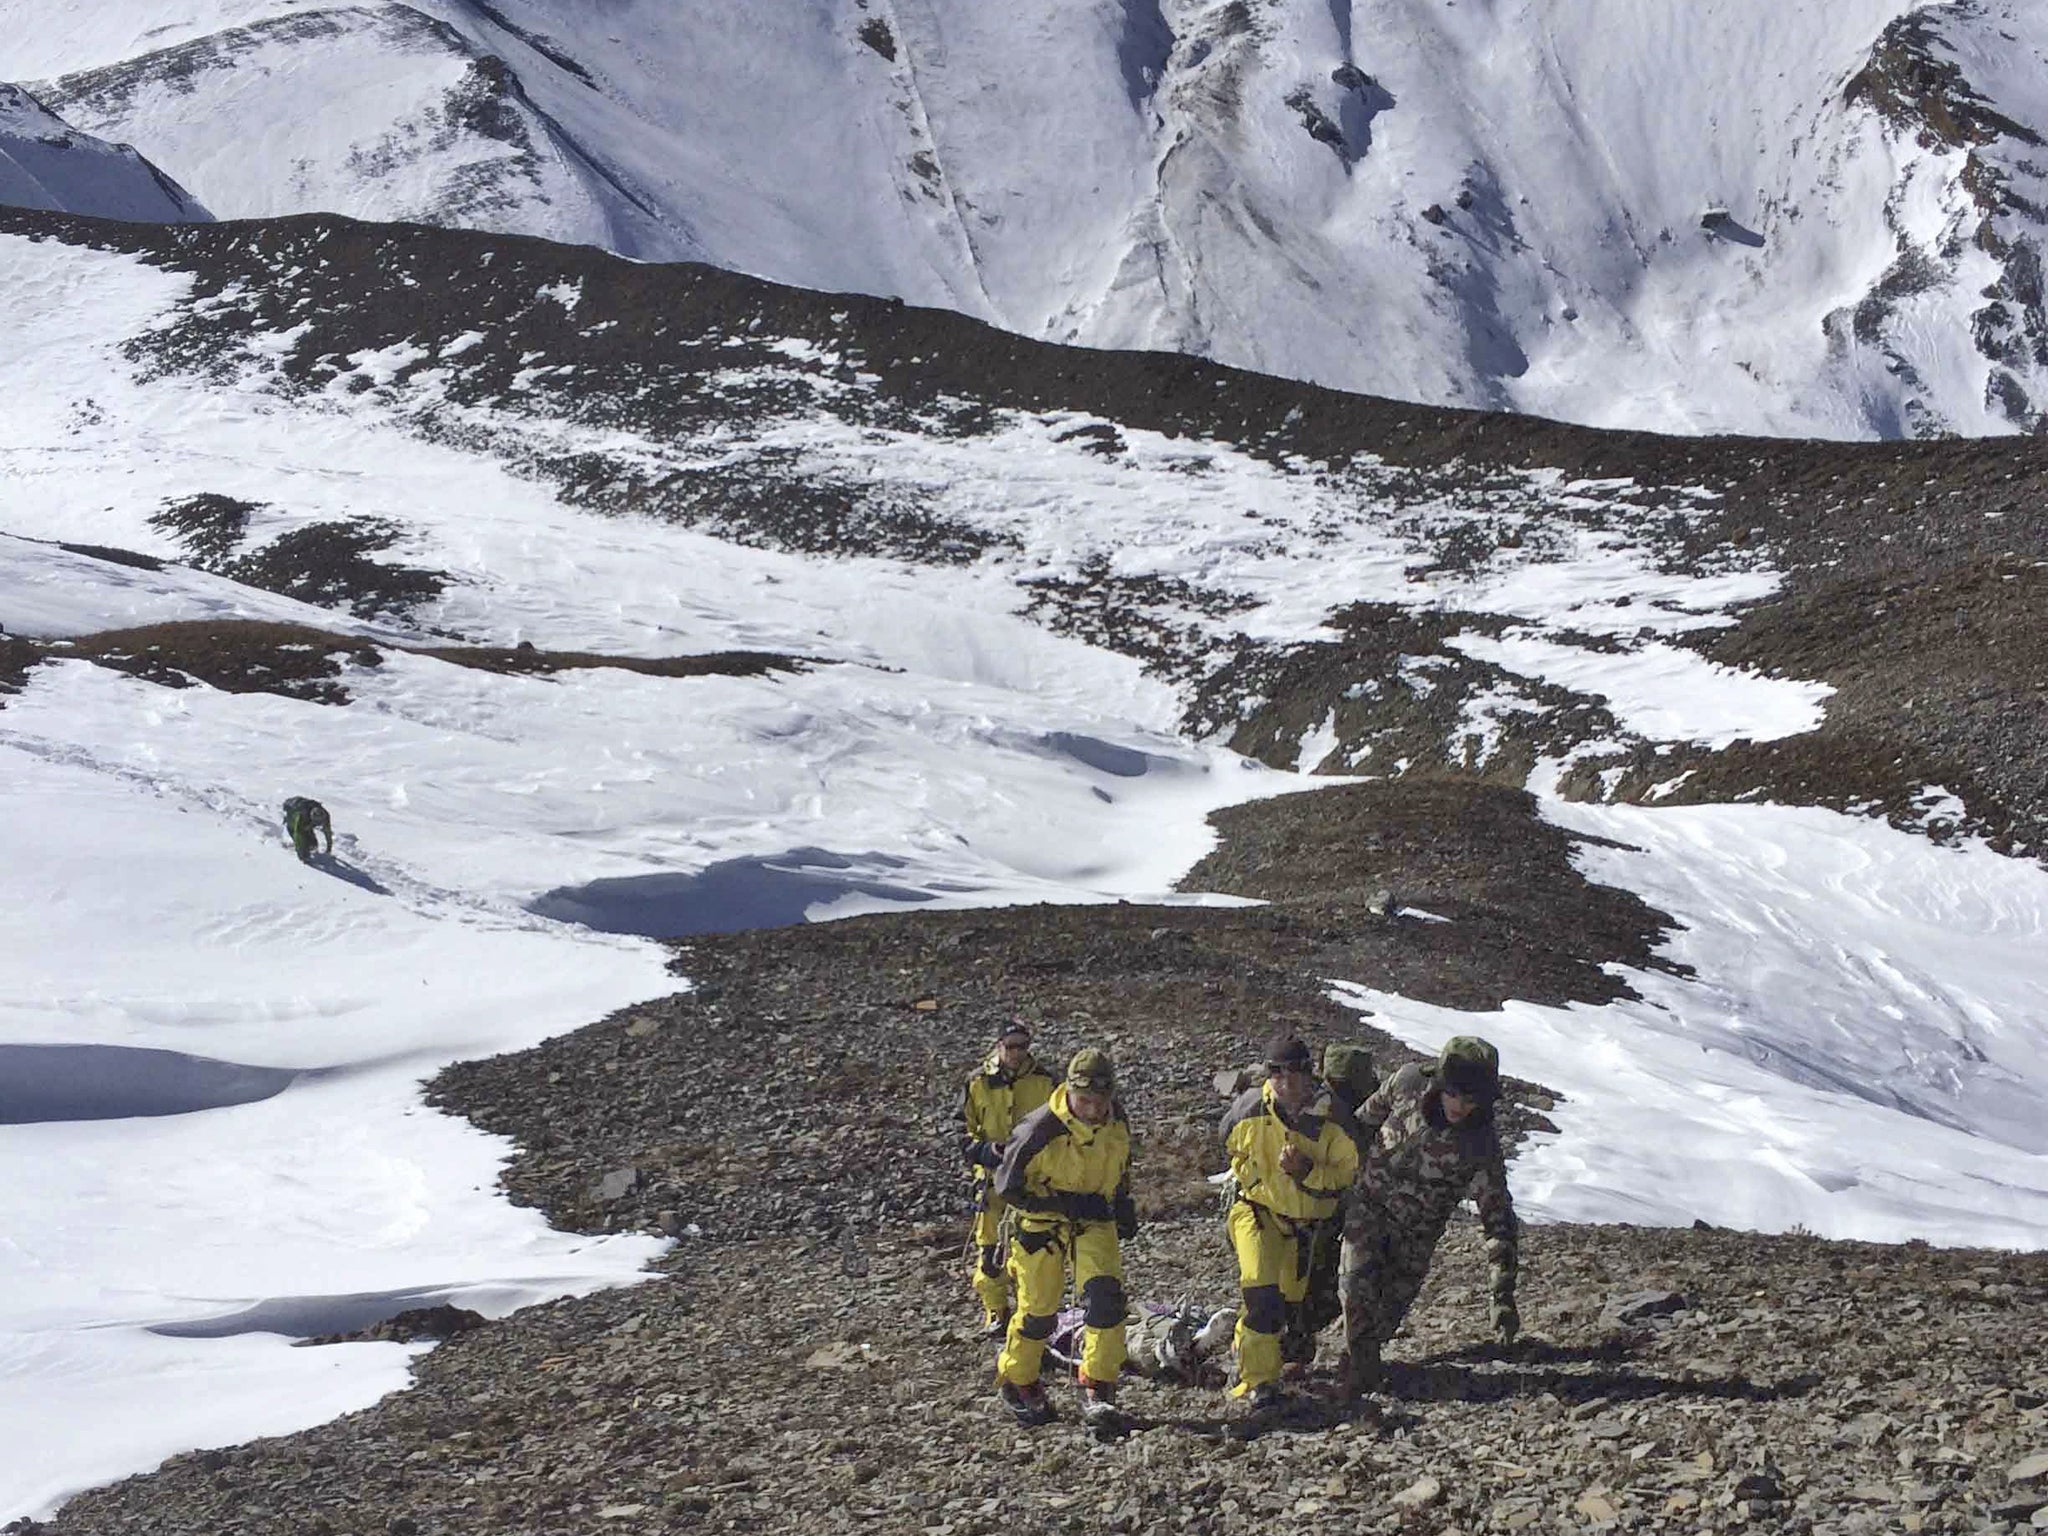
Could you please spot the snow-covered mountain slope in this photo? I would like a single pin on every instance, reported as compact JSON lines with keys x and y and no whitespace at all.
{"x":1734,"y":215}
{"x":1016,"y":617}
{"x":47,"y":164}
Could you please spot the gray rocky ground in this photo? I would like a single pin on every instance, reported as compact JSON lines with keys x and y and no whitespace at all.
{"x":807,"y":1358}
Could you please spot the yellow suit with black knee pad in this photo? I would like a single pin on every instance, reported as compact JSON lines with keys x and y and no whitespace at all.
{"x":1267,"y":1219}
{"x":989,"y":1111}
{"x":1069,"y":1183}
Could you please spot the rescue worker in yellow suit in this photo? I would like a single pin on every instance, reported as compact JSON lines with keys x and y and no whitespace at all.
{"x":1292,"y":1156}
{"x":1067,"y":1175}
{"x":1009,"y":1086}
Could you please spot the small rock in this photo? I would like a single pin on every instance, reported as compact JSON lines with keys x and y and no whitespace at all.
{"x":1419,"y":1494}
{"x":1597,"y":1508}
{"x":641,"y":1025}
{"x":618,"y":1184}
{"x":2030,"y":1469}
{"x":926,"y":1005}
{"x":1759,"y":1485}
{"x":620,"y":1511}
{"x":1641,"y":1306}
{"x":1380,"y":902}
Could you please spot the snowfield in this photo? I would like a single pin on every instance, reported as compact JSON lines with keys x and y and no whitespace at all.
{"x":1734,"y":215}
{"x":1857,"y":1048}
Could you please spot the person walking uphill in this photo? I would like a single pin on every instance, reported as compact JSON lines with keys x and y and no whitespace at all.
{"x":304,"y":820}
{"x":1292,"y":1156}
{"x":1009,"y":1086}
{"x":1432,"y":1138}
{"x":1067,"y":1174}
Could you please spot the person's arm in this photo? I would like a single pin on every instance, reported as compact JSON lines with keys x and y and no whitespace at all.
{"x":1373,"y":1113}
{"x":1337,"y":1159}
{"x":1497,"y":1220}
{"x":1124,"y":1208}
{"x":1240,"y":1139}
{"x":976,"y":1150}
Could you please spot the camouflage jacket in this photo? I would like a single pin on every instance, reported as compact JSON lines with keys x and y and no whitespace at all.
{"x":1417,"y":1167}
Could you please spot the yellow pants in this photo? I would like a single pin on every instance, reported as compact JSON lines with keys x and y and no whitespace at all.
{"x":1040,"y":1256}
{"x":1269,"y":1273}
{"x":986,"y":1272}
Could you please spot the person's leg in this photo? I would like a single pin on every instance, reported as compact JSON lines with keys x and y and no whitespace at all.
{"x":1408,"y":1256}
{"x":1325,"y":1303}
{"x":1099,"y":1282}
{"x":985,"y":1271}
{"x":1364,"y":1274}
{"x":1297,"y":1339}
{"x":1264,"y":1254}
{"x":1038,"y":1266}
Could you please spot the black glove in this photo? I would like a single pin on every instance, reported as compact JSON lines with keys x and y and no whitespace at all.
{"x":1126,"y":1220}
{"x":989,"y":1154}
{"x":1089,"y":1208}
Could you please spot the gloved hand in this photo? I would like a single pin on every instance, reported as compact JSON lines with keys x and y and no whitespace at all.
{"x":1089,"y":1208}
{"x":1126,"y":1220}
{"x":1507,"y":1322}
{"x":1296,"y":1163}
{"x":989,"y":1154}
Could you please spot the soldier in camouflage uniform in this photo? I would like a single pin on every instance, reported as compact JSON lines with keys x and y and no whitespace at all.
{"x":1430,"y":1139}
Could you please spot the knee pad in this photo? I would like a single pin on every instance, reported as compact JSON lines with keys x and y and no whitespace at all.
{"x":1037,"y":1327}
{"x":1102,"y":1302}
{"x":991,"y":1261}
{"x":1264,"y":1311}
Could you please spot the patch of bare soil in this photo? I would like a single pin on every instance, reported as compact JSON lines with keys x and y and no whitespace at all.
{"x":524,"y":660}
{"x":235,"y":656}
{"x":299,"y":662}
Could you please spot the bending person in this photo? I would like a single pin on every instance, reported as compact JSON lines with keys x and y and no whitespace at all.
{"x":1432,"y":1139}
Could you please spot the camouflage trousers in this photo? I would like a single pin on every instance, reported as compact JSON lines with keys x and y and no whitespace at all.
{"x":1383,"y":1267}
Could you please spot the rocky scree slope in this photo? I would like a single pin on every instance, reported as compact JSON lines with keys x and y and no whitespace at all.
{"x":809,"y":1355}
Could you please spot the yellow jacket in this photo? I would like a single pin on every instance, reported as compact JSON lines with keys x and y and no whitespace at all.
{"x":993,"y":1104}
{"x":1255,"y":1134}
{"x":1057,"y":1168}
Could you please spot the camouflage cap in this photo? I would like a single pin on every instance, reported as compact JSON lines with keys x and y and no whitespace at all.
{"x":1470,"y":1066}
{"x":1092,"y":1070}
{"x":1349,"y":1068}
